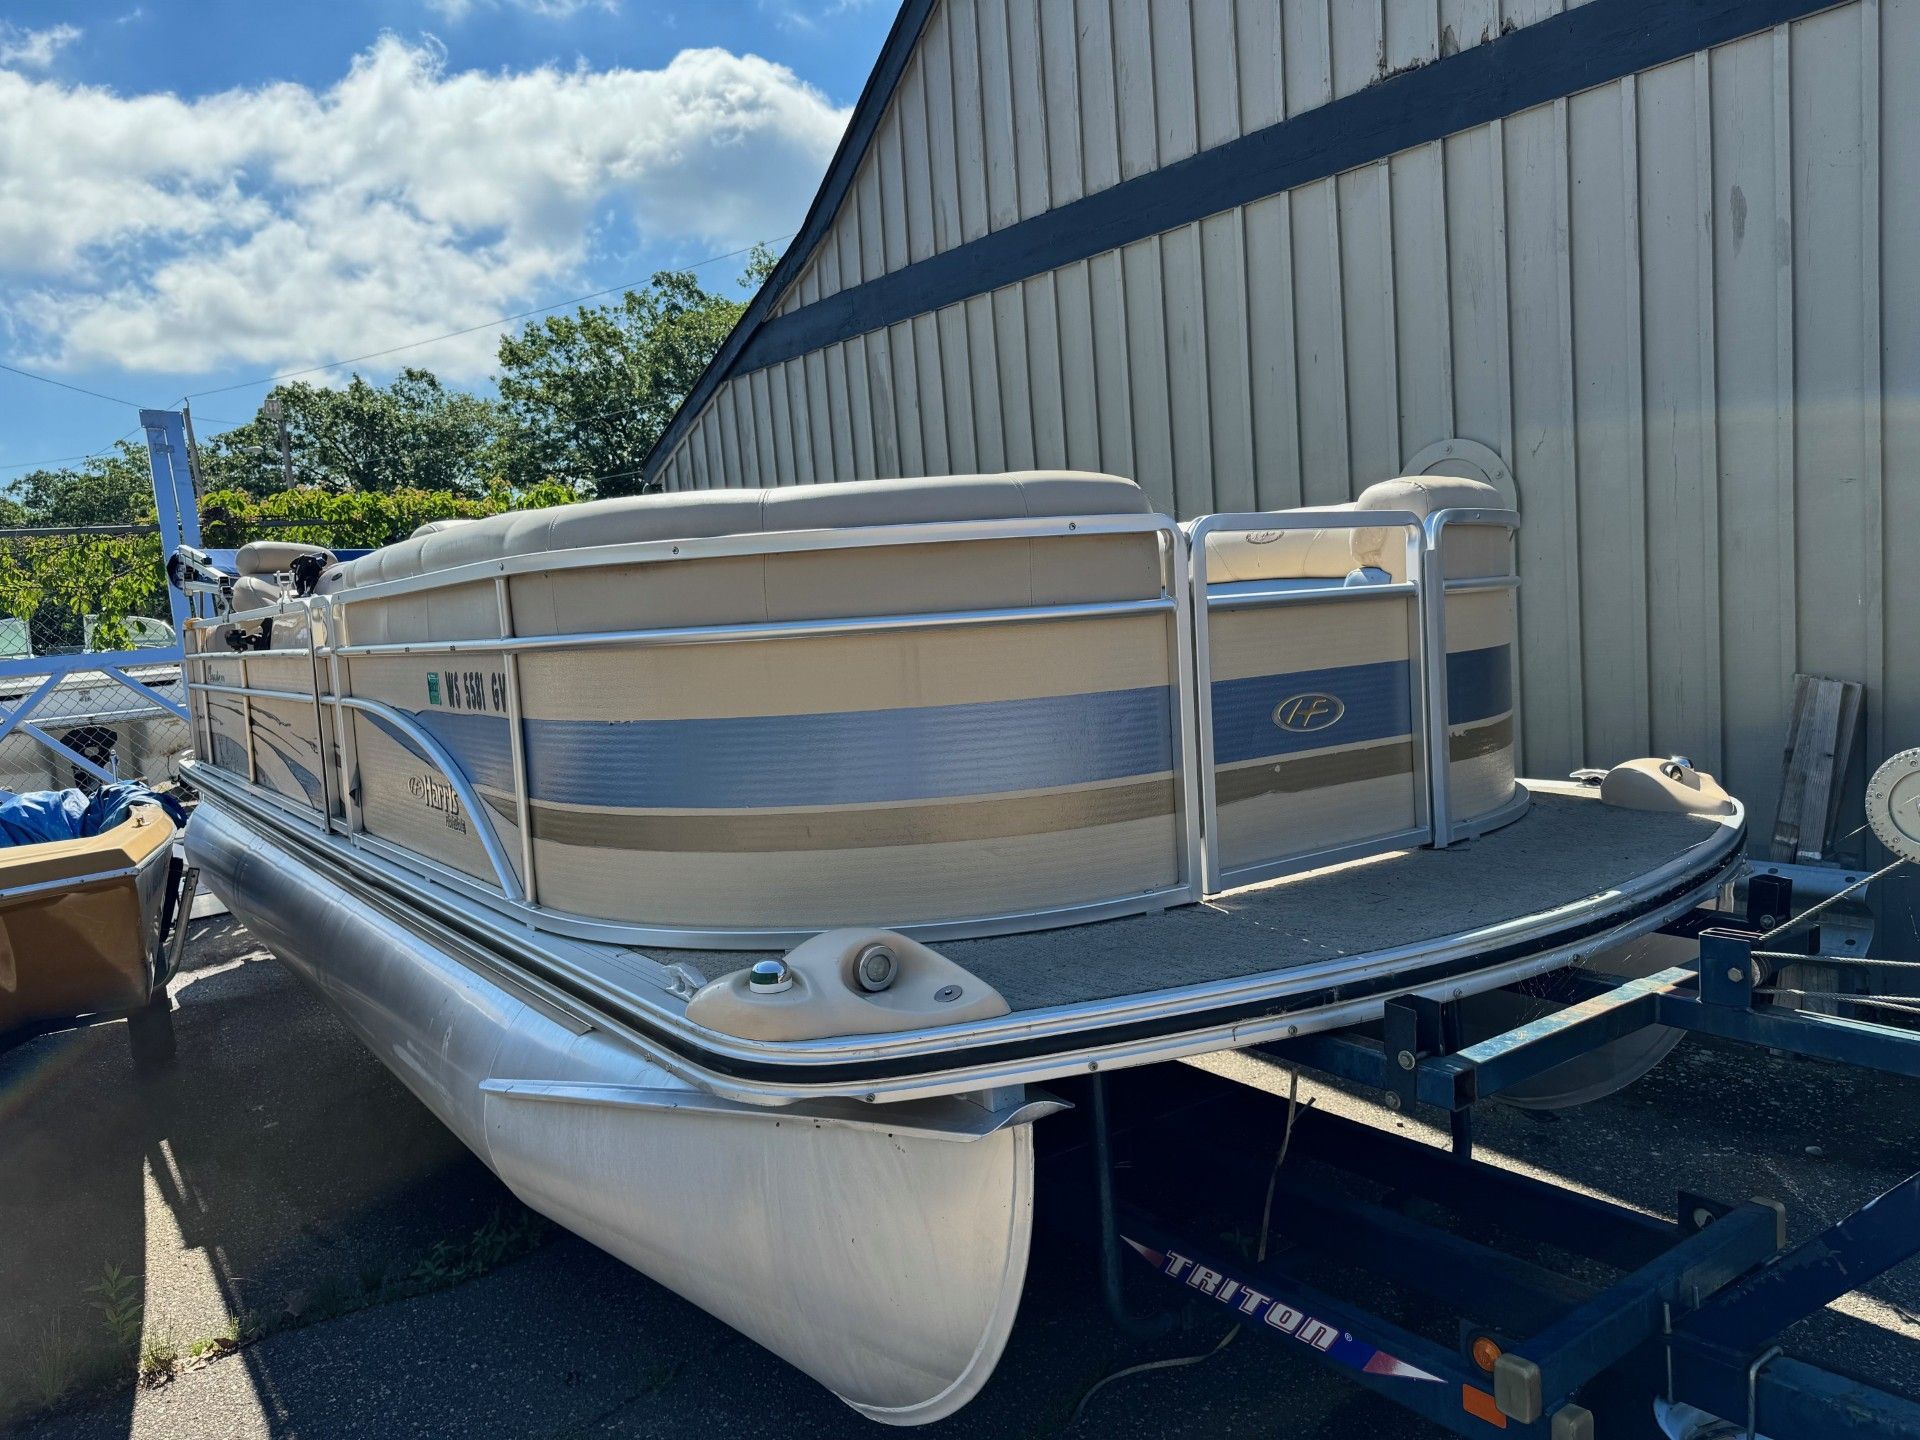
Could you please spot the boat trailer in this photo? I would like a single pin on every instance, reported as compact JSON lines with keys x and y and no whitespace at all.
{"x":1688,"y":1310}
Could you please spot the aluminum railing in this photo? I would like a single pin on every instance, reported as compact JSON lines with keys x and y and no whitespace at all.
{"x":1446,"y":829}
{"x":330,"y":652}
{"x":1187,"y":597}
{"x":1218,"y":874}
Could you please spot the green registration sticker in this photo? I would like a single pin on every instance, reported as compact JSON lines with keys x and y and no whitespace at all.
{"x":433,"y":687}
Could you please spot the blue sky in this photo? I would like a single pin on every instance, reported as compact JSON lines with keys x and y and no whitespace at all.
{"x":199,"y":193}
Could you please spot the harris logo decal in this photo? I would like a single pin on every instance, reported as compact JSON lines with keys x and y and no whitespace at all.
{"x":436,"y":794}
{"x":1303,"y":714}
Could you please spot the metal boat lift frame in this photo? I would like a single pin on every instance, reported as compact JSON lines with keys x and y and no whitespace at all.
{"x":1698,"y":1302}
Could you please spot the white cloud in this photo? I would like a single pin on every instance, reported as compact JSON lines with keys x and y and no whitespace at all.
{"x":282,"y":226}
{"x":33,"y":49}
{"x":454,"y":11}
{"x":803,"y":15}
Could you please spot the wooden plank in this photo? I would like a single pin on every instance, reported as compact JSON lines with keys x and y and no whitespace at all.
{"x":1853,"y":711}
{"x":1821,"y":728}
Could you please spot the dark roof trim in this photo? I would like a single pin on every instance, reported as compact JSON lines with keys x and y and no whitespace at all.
{"x":1591,"y":45}
{"x":841,"y":170}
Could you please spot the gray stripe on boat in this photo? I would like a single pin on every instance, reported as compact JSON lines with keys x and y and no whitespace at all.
{"x":1294,"y":774}
{"x":751,"y":831}
{"x":1471,"y":744}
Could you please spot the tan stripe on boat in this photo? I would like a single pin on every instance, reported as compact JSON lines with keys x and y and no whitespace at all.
{"x":944,"y":822}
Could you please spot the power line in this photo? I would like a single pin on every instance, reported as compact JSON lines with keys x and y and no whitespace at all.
{"x":471,"y":329}
{"x":77,"y":389}
{"x":64,"y":459}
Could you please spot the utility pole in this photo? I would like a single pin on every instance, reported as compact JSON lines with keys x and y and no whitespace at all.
{"x":276,"y":411}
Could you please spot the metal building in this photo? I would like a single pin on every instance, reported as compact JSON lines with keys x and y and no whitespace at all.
{"x":1649,"y":265}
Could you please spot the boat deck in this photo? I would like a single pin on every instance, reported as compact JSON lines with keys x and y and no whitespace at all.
{"x":1570,"y":862}
{"x":1568,"y":849}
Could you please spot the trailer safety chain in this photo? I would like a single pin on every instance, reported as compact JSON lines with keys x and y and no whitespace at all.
{"x":1180,"y":1362}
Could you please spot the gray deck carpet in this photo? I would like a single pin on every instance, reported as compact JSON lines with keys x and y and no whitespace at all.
{"x":1565,"y":849}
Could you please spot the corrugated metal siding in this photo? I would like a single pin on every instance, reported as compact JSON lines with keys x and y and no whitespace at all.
{"x":1679,"y":307}
{"x":1014,"y":107}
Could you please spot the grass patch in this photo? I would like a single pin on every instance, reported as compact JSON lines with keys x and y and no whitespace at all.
{"x":69,"y":1365}
{"x":159,"y":1360}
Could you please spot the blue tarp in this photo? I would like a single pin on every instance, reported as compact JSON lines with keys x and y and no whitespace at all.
{"x":37,"y":815}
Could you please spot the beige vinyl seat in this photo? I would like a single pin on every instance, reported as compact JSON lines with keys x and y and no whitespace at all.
{"x":689,"y":515}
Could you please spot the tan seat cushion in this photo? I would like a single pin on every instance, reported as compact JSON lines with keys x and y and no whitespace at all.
{"x":434,"y":527}
{"x":1423,"y":495}
{"x":1280,"y":554}
{"x":694,"y":514}
{"x":272,"y":557}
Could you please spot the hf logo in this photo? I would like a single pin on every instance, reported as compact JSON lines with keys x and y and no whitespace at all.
{"x":1304,"y":714}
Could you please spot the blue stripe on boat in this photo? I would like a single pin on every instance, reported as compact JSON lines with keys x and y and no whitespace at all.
{"x":936,"y":752}
{"x":1479,"y":684}
{"x":927,"y":752}
{"x":1378,"y":701}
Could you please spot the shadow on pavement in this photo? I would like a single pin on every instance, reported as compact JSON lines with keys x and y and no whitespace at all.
{"x":275,"y":1171}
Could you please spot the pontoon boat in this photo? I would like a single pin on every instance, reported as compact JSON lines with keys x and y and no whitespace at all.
{"x":745,"y":875}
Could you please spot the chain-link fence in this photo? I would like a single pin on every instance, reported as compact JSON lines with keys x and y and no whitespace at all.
{"x":66,"y":595}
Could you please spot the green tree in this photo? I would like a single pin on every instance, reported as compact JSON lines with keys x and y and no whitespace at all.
{"x":588,"y":394}
{"x":111,"y":489}
{"x":411,"y":434}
